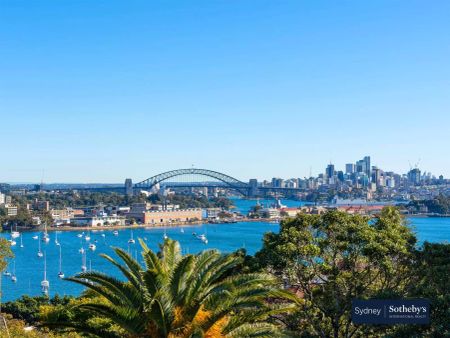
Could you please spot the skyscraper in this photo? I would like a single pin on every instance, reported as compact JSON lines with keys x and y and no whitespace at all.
{"x":329,"y":171}
{"x":350,"y":168}
{"x":414,"y":176}
{"x":368,"y":171}
{"x":363,"y":166}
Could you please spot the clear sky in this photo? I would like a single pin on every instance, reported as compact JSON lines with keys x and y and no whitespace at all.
{"x":97,"y":91}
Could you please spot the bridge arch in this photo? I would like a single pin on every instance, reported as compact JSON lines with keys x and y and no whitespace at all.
{"x":229,"y":181}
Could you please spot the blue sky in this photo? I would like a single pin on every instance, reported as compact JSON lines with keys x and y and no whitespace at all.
{"x":96,"y":91}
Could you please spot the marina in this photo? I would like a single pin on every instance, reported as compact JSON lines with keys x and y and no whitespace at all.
{"x":38,"y":258}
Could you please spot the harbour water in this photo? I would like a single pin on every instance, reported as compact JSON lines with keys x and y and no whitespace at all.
{"x":224,"y":237}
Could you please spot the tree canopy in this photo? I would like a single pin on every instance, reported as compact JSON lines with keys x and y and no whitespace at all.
{"x":198,"y":295}
{"x":333,"y":258}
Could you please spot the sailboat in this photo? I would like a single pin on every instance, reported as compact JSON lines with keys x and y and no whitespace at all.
{"x":87,"y":237}
{"x":81,"y":250}
{"x":21,"y":243}
{"x":6,"y":272}
{"x":83,"y":262}
{"x":165,"y":234}
{"x":203,"y":237}
{"x":131,"y":240}
{"x":56,"y":238}
{"x":36,"y":237}
{"x":45,"y":237}
{"x":40,"y":254}
{"x":182,"y":230}
{"x":14,"y":234}
{"x":13,"y":276}
{"x":60,"y":274}
{"x":45,"y":284}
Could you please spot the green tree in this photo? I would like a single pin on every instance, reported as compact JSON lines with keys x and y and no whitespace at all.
{"x":177,"y":296}
{"x":27,"y":308}
{"x":333,"y":258}
{"x":430,"y":280}
{"x":5,"y":253}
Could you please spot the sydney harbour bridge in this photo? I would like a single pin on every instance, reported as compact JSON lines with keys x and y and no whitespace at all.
{"x":195,"y":178}
{"x":188,"y":178}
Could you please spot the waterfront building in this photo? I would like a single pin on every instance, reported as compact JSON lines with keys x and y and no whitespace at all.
{"x":2,"y":198}
{"x":270,"y":212}
{"x":98,"y":221}
{"x":117,"y":210}
{"x":167,"y":217}
{"x":367,"y":210}
{"x":312,"y":210}
{"x":213,"y":213}
{"x":290,"y":212}
{"x":65,"y":215}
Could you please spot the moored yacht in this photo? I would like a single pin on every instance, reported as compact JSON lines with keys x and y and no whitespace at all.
{"x":131,"y":240}
{"x":13,"y":276}
{"x":40,"y":254}
{"x":45,"y":284}
{"x":60,"y":274}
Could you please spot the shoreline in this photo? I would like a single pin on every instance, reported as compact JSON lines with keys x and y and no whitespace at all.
{"x":177,"y":224}
{"x":137,"y":226}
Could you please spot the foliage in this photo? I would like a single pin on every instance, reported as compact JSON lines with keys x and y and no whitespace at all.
{"x":5,"y":253}
{"x":81,"y":199}
{"x":17,"y":328}
{"x":73,"y":313}
{"x":189,"y":201}
{"x":438,"y":205}
{"x":431,"y":280}
{"x":26,"y":308}
{"x":86,"y":199}
{"x":332,"y":258}
{"x":175,"y":296}
{"x":23,"y":218}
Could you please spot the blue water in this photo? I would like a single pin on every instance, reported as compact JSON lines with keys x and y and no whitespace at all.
{"x":225,"y":237}
{"x":434,"y":229}
{"x":244,"y":205}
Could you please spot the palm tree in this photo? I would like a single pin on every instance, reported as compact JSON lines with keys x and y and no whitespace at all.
{"x":179,"y":296}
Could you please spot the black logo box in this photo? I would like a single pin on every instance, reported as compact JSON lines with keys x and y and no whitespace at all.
{"x":390,"y":311}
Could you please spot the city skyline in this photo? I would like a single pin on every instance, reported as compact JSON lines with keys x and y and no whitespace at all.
{"x":253,"y":89}
{"x":364,"y":165}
